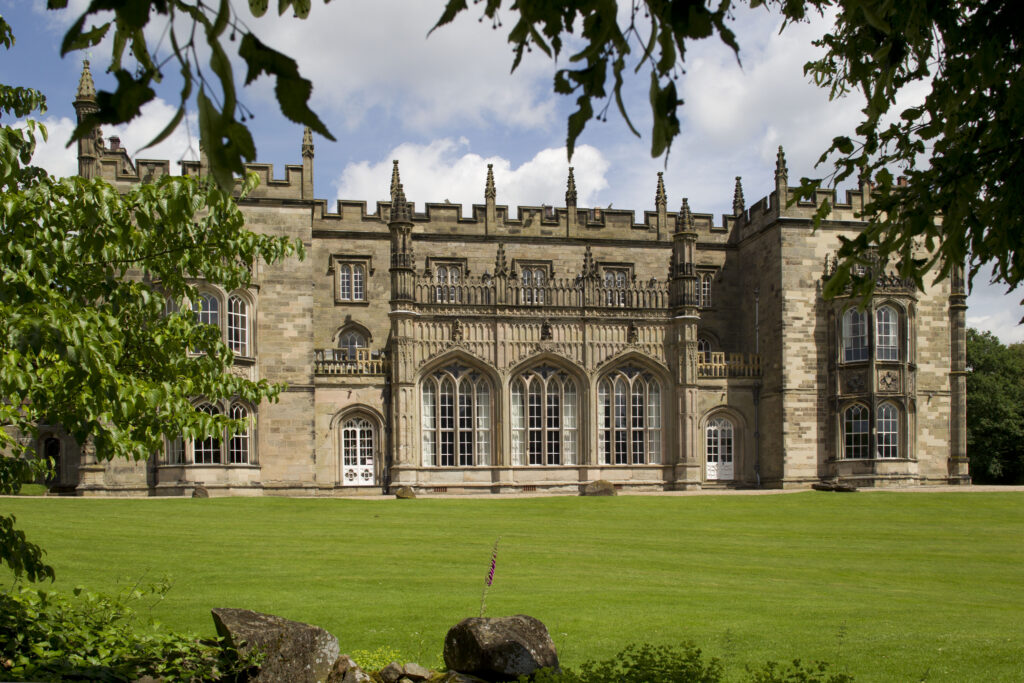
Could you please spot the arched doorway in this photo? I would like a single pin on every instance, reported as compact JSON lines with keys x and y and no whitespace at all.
{"x":358,"y":452}
{"x":719,"y":449}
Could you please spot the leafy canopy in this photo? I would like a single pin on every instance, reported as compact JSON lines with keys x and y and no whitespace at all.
{"x":960,"y":148}
{"x":87,"y":279}
{"x":995,"y":409}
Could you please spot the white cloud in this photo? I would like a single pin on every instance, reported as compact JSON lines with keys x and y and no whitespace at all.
{"x":991,"y":308}
{"x":371,"y":57}
{"x":445,"y":169}
{"x":57,"y":159}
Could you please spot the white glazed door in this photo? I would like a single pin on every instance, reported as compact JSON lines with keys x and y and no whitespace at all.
{"x":357,"y":453}
{"x":719,"y":448}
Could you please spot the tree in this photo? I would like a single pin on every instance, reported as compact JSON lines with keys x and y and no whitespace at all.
{"x":995,"y":409}
{"x":97,"y":331}
{"x":960,"y":149}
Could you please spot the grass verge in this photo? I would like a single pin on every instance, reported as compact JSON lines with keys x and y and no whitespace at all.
{"x":887,"y":586}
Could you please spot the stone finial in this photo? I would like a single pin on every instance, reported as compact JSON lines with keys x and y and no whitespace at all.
{"x":500,"y":262}
{"x":86,"y":87}
{"x":570,"y":190}
{"x":489,"y":191}
{"x":307,"y":142}
{"x":781,"y":173}
{"x":684,"y":219}
{"x":660,"y":199}
{"x":738,"y":204}
{"x":589,"y":265}
{"x":400,"y":207}
{"x":396,"y":182}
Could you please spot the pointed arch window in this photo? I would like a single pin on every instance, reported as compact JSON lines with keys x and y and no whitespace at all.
{"x":533,"y":280}
{"x":456,"y":418}
{"x":544,"y":417}
{"x":351,"y":340}
{"x":615,"y":283}
{"x":448,"y":277}
{"x":886,"y":336}
{"x":238,"y":325}
{"x":207,"y":451}
{"x":855,"y":432}
{"x":855,"y":335}
{"x":887,"y":431}
{"x":207,"y":309}
{"x":238,"y":446}
{"x":704,"y":350}
{"x":232,"y":446}
{"x":629,"y":418}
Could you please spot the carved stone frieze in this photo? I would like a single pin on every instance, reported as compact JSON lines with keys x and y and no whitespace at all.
{"x":853,"y":383}
{"x":888,"y":380}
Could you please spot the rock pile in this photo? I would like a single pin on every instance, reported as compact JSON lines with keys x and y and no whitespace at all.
{"x":476,"y":650}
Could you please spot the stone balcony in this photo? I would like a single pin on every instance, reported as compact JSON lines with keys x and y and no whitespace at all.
{"x":338,"y":362}
{"x":720,"y":365}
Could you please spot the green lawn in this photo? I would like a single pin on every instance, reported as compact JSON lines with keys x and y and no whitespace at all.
{"x":888,"y":586}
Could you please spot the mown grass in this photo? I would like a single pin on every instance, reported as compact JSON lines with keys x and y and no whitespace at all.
{"x":887,"y":586}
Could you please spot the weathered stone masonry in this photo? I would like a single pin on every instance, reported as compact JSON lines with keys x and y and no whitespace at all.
{"x":547,"y":347}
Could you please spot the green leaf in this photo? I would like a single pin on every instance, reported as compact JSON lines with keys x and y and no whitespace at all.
{"x":292,"y":90}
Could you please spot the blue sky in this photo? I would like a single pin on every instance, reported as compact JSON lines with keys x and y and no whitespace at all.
{"x":446,"y":106}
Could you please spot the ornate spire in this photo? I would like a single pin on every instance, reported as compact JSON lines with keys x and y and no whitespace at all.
{"x":86,"y":87}
{"x":781,"y":173}
{"x":500,"y":263}
{"x":684,"y":219}
{"x":307,"y":142}
{"x":395,"y":180}
{"x":659,"y":195}
{"x":399,"y":207}
{"x":570,"y":190}
{"x":589,"y":265}
{"x":738,"y":205}
{"x":489,"y":191}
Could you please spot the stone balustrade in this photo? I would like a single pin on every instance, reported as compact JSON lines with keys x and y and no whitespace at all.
{"x":556,"y":293}
{"x":719,"y":364}
{"x":340,"y":362}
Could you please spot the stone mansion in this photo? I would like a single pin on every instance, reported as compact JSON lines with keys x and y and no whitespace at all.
{"x":545,"y":347}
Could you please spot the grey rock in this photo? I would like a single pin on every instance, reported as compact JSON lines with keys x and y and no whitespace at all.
{"x":499,"y":649}
{"x":295,"y":652}
{"x":391,"y":673}
{"x":414,"y":672}
{"x":405,"y":493}
{"x":345,"y":670}
{"x":601,"y":487}
{"x":200,"y":492}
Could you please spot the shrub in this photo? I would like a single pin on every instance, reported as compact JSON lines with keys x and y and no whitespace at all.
{"x":375,"y":660}
{"x":52,"y":636}
{"x":816,"y":672}
{"x":641,"y":664}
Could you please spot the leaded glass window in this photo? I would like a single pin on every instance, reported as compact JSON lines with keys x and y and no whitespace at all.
{"x":629,"y":417}
{"x":456,"y":424}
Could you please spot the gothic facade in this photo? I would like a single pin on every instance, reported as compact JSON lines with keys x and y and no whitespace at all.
{"x":545,"y":347}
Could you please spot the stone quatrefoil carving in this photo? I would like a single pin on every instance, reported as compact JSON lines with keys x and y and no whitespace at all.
{"x":888,"y":381}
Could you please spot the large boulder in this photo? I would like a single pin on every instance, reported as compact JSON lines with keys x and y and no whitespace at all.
{"x":499,"y":649}
{"x":295,"y":652}
{"x":405,"y":493}
{"x":600,"y":487}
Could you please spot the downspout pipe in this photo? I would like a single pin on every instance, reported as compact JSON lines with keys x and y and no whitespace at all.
{"x":757,"y":388}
